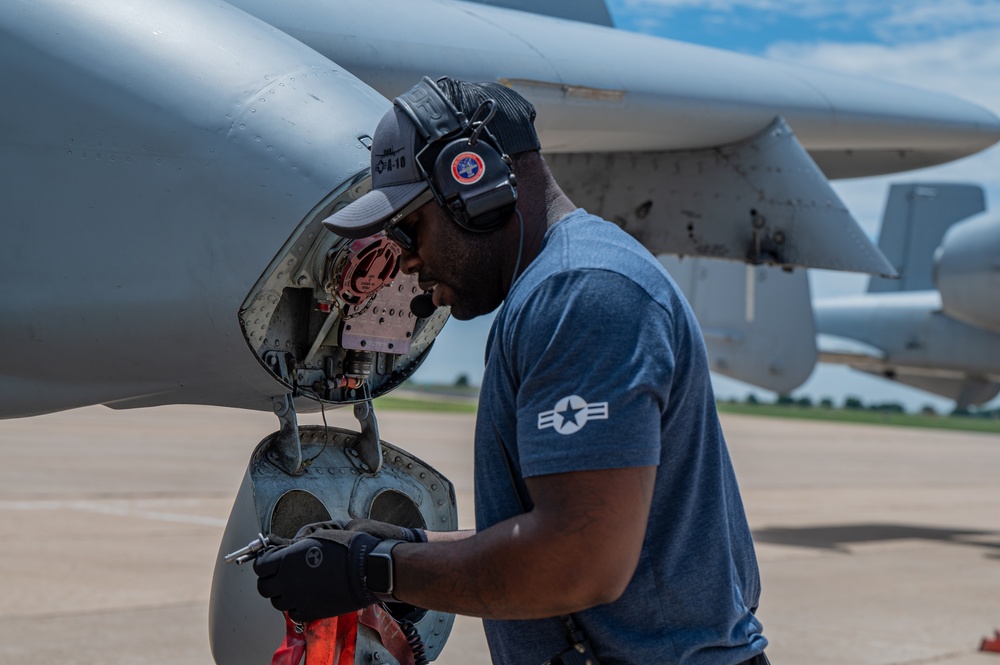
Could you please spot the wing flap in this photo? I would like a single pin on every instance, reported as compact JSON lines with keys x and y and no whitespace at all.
{"x":761,"y":201}
{"x":756,"y":320}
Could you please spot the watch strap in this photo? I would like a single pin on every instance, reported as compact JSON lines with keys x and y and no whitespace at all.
{"x":383,"y":553}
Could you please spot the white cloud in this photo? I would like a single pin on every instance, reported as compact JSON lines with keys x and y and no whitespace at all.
{"x":966,"y":65}
{"x":940,"y":17}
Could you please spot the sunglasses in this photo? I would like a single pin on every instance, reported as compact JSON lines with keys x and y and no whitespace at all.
{"x":399,"y":236}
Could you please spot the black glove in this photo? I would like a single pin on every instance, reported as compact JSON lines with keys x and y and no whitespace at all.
{"x":310,"y":529}
{"x":318,"y":576}
{"x":386,"y":531}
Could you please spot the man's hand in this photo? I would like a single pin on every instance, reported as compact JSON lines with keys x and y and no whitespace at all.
{"x":386,"y":531}
{"x":318,"y":576}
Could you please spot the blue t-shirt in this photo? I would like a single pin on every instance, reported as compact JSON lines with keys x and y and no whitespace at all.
{"x":595,"y":361}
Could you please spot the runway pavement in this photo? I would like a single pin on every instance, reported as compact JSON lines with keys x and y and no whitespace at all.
{"x":877,"y":545}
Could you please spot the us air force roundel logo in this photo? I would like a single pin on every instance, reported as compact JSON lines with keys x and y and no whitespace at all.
{"x":467,"y":168}
{"x":571,"y":414}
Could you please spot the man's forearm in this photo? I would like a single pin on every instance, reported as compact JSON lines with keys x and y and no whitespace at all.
{"x":449,"y":536}
{"x":577,"y":548}
{"x":518,"y":569}
{"x":483,"y":575}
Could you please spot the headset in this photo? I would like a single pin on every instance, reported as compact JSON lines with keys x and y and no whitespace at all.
{"x":468,"y":173}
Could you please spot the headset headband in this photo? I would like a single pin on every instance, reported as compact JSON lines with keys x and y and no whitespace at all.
{"x":471,"y":180}
{"x":433,"y":114}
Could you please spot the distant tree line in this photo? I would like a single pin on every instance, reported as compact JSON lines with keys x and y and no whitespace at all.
{"x":855,"y":403}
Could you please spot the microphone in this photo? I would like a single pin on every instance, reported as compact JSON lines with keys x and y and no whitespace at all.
{"x":423,"y":305}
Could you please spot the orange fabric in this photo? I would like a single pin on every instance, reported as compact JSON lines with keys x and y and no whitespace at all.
{"x":334,"y":641}
{"x":292,"y":648}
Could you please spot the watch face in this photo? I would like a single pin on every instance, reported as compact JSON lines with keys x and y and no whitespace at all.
{"x":378,"y":573}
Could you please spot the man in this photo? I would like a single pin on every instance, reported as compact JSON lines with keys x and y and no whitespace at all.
{"x":607,"y":509}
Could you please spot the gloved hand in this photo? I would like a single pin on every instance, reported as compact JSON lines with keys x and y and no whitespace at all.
{"x":386,"y":531}
{"x":318,"y":576}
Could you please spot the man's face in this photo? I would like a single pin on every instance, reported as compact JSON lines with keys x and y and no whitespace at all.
{"x":464,"y":269}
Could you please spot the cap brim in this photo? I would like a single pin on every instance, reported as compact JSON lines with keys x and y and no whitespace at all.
{"x":367,"y":215}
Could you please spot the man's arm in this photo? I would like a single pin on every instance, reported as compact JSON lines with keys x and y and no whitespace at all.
{"x":449,"y":536}
{"x":578,"y":547}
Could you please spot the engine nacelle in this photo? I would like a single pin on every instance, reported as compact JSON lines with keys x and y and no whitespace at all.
{"x":967,"y":272}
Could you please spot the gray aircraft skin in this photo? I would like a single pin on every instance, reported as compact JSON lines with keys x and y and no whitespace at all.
{"x":937,"y":328}
{"x":756,"y":319}
{"x":165,"y":167}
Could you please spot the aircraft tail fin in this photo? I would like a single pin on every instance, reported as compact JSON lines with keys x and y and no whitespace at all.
{"x":915,"y":220}
{"x":587,"y":11}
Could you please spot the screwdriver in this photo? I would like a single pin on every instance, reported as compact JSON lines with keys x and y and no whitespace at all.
{"x":250,"y":552}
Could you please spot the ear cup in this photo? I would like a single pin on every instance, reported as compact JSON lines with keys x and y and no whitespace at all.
{"x":476,"y":184}
{"x":467,"y":173}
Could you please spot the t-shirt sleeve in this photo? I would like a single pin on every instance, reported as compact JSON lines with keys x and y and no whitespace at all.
{"x":594,"y":364}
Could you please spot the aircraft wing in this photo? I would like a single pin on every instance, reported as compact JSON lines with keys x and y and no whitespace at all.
{"x":601,"y":90}
{"x":695,"y":151}
{"x":906,"y":337}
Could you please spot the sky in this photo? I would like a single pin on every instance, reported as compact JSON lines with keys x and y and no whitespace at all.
{"x":952,"y":46}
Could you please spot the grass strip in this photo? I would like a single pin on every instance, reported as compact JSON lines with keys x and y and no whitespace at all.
{"x":959,"y":423}
{"x":437,"y":404}
{"x":393,"y":403}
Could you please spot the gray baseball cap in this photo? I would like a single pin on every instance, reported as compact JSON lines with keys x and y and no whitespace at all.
{"x":397,"y":180}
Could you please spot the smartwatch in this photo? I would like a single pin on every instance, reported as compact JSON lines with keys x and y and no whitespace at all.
{"x":379,"y":578}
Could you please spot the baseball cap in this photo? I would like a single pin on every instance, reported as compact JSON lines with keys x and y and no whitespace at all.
{"x":397,"y":179}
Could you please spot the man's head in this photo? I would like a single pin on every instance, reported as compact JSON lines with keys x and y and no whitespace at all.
{"x":441,"y":155}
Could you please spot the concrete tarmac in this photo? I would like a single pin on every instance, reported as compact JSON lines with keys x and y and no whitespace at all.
{"x":877,"y":545}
